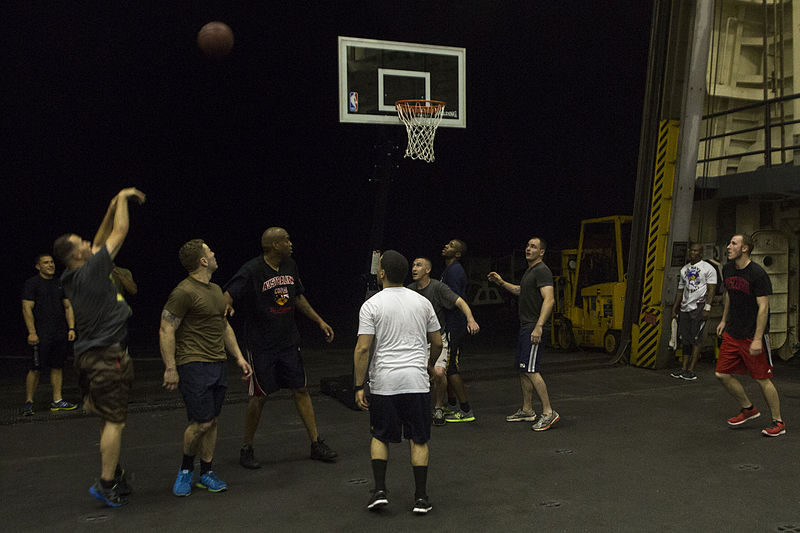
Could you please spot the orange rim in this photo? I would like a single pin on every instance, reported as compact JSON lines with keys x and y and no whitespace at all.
{"x":420,"y":106}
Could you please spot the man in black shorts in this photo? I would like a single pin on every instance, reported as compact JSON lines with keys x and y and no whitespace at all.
{"x":194,"y":337}
{"x":401,"y":323}
{"x":51,"y":325}
{"x":535,"y":291}
{"x":101,"y":317}
{"x":266,"y":291}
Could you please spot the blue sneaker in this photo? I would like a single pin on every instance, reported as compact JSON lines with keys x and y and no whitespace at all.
{"x":183,"y":483}
{"x":28,"y":409}
{"x":110,"y":497}
{"x":210,"y":481}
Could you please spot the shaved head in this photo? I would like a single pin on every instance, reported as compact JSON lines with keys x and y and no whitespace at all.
{"x":271,"y":236}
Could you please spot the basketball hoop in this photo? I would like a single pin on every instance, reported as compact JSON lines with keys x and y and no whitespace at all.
{"x":421,"y":118}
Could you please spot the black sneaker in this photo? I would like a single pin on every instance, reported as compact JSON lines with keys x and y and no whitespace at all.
{"x":110,"y":497}
{"x":321,"y":452}
{"x":247,"y":458}
{"x":121,"y":484}
{"x":378,"y":500}
{"x":421,"y":506}
{"x":27,"y":410}
{"x":677,"y":374}
{"x":688,"y":375}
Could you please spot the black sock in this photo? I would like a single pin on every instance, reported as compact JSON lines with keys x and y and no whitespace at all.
{"x":205,"y":467}
{"x":379,"y":473}
{"x":452,"y":401}
{"x":420,"y":482}
{"x":188,"y":463}
{"x":106,"y":484}
{"x":465,"y":407}
{"x":118,"y":471}
{"x":748,"y":408}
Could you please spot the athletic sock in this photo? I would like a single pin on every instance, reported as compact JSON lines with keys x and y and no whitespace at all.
{"x":748,"y":408}
{"x":465,"y":407}
{"x":379,"y":473}
{"x":106,"y":484}
{"x":420,"y":482}
{"x":118,"y":471}
{"x":452,"y":401}
{"x":205,"y":467}
{"x":188,"y":463}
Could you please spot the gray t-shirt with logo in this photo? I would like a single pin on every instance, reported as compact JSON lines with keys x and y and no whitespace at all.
{"x":101,"y":313}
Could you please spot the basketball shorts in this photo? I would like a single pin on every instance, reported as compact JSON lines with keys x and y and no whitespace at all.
{"x":529,"y":355}
{"x":49,"y":353}
{"x":734,"y":358}
{"x":276,"y":369}
{"x":454,"y":343}
{"x":441,"y":362}
{"x":690,"y":327}
{"x":105,"y":375}
{"x":203,"y":386}
{"x":406,"y":415}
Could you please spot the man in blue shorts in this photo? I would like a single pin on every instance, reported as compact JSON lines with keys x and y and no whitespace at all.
{"x":51,"y":326}
{"x":101,"y":318}
{"x":266,"y":291}
{"x":535,"y":291}
{"x":194,"y":337}
{"x":401,"y":323}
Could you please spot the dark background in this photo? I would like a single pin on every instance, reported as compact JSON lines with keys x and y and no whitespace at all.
{"x":107,"y":95}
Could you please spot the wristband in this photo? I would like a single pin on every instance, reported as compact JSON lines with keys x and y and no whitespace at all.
{"x":358,"y":388}
{"x":707,"y":307}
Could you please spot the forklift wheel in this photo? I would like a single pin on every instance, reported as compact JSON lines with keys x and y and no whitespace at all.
{"x":611,"y":341}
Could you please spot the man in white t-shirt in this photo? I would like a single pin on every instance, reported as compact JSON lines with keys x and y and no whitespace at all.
{"x":401,"y":323}
{"x":698,"y":282}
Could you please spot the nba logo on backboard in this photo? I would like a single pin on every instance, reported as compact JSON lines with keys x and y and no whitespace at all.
{"x":353,"y":102}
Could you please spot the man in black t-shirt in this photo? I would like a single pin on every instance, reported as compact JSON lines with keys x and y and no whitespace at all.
{"x":265,"y":291}
{"x":744,"y":329}
{"x":51,"y":325}
{"x":536,"y":299}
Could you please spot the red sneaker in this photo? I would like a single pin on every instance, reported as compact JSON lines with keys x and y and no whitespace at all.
{"x":778,"y":427}
{"x":743,"y":416}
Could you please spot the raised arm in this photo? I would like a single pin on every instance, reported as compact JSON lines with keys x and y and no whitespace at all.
{"x":105,"y":226}
{"x":495,"y":278}
{"x":306,"y":309}
{"x":166,"y":343}
{"x":121,"y":220}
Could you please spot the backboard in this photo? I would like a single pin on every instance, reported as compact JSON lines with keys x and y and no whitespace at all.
{"x":374,"y":74}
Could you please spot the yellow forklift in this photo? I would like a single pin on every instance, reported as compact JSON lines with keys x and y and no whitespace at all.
{"x":590,"y":292}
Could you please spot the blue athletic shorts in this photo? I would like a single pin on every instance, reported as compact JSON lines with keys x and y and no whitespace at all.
{"x":528,"y":354}
{"x":409,"y":413}
{"x":203,"y":386}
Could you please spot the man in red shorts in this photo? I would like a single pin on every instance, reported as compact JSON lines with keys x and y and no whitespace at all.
{"x":744,"y":326}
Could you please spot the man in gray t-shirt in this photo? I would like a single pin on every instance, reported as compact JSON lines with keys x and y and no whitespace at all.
{"x":536,"y":299}
{"x":442,"y":297}
{"x":101,"y":315}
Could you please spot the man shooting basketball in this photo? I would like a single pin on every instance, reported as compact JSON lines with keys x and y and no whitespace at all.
{"x":101,"y":319}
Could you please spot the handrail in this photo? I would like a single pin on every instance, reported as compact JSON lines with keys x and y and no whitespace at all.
{"x":767,"y":127}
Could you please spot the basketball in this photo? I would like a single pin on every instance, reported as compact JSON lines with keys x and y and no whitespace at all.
{"x":215,"y":39}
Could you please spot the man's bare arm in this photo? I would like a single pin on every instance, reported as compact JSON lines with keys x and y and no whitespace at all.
{"x":472,"y":326}
{"x":27,"y":315}
{"x":122,"y":220}
{"x":166,"y":344}
{"x":495,"y":278}
{"x":105,"y":226}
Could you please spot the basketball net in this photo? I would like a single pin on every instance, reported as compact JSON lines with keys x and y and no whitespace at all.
{"x":421,"y":118}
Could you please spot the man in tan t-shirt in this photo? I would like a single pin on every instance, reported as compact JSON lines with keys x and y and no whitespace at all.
{"x":194,"y":337}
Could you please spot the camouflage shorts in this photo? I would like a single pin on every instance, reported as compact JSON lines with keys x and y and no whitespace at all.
{"x":106,"y":378}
